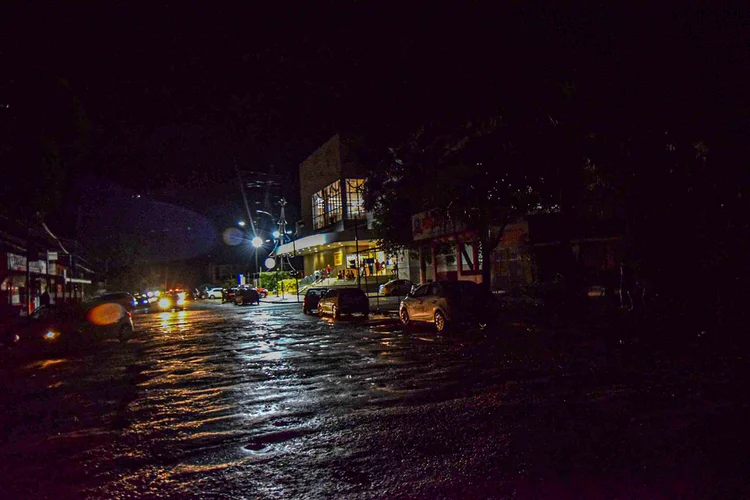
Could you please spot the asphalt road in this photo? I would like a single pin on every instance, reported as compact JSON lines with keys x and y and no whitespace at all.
{"x":264,"y":402}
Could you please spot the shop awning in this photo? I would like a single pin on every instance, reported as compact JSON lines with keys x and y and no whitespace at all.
{"x":318,"y":241}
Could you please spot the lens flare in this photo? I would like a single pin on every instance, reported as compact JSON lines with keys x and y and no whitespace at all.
{"x":232,"y":236}
{"x":106,"y":314}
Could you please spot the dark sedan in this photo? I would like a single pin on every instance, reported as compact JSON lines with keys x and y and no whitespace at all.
{"x":312,"y":297}
{"x":344,"y":300}
{"x":246,"y":296}
{"x":55,"y":325}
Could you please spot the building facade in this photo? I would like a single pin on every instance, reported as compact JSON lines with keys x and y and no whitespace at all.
{"x":532,"y":249}
{"x":31,"y":263}
{"x":335,"y":236}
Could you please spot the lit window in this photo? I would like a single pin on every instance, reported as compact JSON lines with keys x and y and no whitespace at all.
{"x":355,"y":199}
{"x":326,"y":206}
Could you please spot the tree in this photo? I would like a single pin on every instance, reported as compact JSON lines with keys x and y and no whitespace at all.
{"x":481,"y":174}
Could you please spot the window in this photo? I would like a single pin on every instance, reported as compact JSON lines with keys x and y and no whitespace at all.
{"x":326,"y":206}
{"x":470,"y":259}
{"x":421,"y":291}
{"x":355,"y":199}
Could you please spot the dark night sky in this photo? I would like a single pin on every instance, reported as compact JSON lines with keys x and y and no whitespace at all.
{"x":172,"y":91}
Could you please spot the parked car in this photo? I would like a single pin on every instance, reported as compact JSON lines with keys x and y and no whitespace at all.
{"x":245,"y":296}
{"x":396,"y":287}
{"x":262,"y":292}
{"x":214,"y":293}
{"x":69,"y":325}
{"x":173,"y":300}
{"x":125,"y":299}
{"x":343,"y":300}
{"x":443,"y":303}
{"x":228,"y":294}
{"x":312,"y":297}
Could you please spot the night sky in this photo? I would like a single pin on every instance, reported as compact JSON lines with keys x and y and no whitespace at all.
{"x":177,"y":95}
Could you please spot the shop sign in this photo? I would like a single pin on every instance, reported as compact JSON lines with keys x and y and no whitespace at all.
{"x":338,"y":258}
{"x":18,"y":263}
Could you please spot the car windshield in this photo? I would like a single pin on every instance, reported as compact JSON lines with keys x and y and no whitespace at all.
{"x":351,"y":292}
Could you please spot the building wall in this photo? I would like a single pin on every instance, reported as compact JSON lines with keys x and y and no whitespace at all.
{"x":315,"y":173}
{"x":351,"y":165}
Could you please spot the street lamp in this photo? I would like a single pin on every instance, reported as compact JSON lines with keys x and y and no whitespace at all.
{"x":241,"y":223}
{"x":257,"y":242}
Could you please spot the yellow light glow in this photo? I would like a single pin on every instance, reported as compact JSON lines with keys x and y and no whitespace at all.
{"x":165,"y":303}
{"x":106,"y":314}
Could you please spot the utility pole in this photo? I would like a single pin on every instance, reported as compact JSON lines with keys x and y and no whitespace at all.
{"x":282,"y":228}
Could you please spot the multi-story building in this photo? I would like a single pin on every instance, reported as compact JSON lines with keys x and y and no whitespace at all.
{"x":336,"y":231}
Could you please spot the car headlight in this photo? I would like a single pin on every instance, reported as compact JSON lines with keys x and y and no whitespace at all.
{"x":180,"y":302}
{"x":51,"y":335}
{"x":165,"y":303}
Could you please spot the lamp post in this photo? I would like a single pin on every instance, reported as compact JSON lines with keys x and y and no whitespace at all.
{"x":257,"y":242}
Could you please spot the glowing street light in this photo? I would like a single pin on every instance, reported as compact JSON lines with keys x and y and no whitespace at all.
{"x":257,"y":242}
{"x":241,"y":223}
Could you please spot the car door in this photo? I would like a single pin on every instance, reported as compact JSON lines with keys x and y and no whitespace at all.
{"x":416,"y":304}
{"x":330,"y":298}
{"x":432,"y":300}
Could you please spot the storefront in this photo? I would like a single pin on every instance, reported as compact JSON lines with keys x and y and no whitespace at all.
{"x":44,"y":276}
{"x":448,"y":251}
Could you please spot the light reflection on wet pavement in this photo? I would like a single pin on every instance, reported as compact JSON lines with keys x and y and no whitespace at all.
{"x":265,"y":402}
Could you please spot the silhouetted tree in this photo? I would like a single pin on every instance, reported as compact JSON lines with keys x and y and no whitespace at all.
{"x":482,"y":174}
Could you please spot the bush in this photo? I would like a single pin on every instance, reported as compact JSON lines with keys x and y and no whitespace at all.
{"x":270,"y":280}
{"x":289,"y":286}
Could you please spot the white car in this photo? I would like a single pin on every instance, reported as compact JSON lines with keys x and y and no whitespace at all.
{"x":214,"y":293}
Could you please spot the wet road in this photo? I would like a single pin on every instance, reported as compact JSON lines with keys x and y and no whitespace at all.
{"x":265,"y":402}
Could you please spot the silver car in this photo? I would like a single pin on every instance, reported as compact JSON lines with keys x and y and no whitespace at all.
{"x":396,"y":287}
{"x":443,"y":303}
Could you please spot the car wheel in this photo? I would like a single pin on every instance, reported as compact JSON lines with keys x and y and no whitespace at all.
{"x":212,"y":296}
{"x":335,"y":312}
{"x":125,"y":333}
{"x":404,"y":315}
{"x":440,"y":322}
